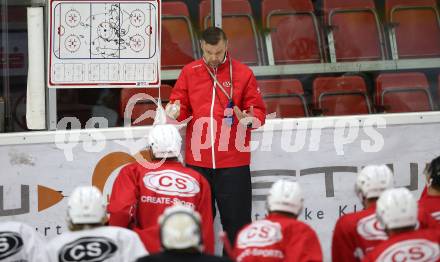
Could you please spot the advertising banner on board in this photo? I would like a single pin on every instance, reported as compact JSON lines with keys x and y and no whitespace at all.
{"x":38,"y":177}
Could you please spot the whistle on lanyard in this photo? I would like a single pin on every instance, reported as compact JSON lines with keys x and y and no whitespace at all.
{"x":229,"y":113}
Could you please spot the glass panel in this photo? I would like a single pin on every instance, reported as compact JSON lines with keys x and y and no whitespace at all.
{"x":243,"y":40}
{"x":83,"y":104}
{"x":178,"y":35}
{"x":306,"y":35}
{"x":13,"y":55}
{"x":303,"y":35}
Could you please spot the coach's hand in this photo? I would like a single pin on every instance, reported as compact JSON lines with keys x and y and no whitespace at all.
{"x":173,"y":109}
{"x":245,"y":117}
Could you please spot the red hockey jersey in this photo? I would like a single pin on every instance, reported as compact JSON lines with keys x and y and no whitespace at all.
{"x":277,"y":238}
{"x":418,"y":245}
{"x":431,"y":204}
{"x":140,"y":195}
{"x":357,"y":233}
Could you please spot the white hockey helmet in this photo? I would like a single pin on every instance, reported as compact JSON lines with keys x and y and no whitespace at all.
{"x":165,"y":141}
{"x":86,"y":205}
{"x":285,"y":196}
{"x":180,"y":228}
{"x":397,"y":208}
{"x":372,"y":180}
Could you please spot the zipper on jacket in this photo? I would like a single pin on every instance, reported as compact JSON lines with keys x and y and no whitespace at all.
{"x":212,"y":121}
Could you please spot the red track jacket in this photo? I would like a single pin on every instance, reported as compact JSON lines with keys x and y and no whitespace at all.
{"x":139,"y":196}
{"x":209,"y":142}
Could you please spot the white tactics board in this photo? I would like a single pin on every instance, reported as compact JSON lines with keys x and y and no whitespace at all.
{"x":104,"y":43}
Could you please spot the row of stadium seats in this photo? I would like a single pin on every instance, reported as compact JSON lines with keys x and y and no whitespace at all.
{"x":331,"y":96}
{"x":348,"y":31}
{"x":348,"y":95}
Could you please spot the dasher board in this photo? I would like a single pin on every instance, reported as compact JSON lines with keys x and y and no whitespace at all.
{"x":104,"y":43}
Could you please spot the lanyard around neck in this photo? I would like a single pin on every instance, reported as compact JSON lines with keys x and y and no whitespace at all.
{"x":217,"y":83}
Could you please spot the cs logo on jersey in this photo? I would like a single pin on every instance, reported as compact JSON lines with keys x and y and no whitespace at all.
{"x":259,"y":234}
{"x":370,"y":228}
{"x":10,"y":244}
{"x":412,"y":250}
{"x":173,"y":183}
{"x":90,"y":249}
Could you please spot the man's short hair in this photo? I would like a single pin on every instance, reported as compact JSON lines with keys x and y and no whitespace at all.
{"x":213,"y":35}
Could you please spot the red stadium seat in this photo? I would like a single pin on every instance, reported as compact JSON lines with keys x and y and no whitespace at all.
{"x":285,"y":97}
{"x":239,"y":25}
{"x":142,"y":106}
{"x":403,"y":92}
{"x":178,"y":42}
{"x":354,"y":31}
{"x":345,"y":95}
{"x":293,"y":32}
{"x":415,"y":28}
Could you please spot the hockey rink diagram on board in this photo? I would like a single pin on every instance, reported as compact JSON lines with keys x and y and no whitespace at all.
{"x":104,"y":43}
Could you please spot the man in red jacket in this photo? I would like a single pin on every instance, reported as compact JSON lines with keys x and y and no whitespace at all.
{"x":142,"y":191}
{"x":280,"y":236}
{"x":430,"y":201}
{"x":397,"y":212}
{"x":221,"y":96}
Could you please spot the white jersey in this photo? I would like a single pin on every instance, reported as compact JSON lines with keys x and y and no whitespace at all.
{"x":106,"y":243}
{"x":19,"y":242}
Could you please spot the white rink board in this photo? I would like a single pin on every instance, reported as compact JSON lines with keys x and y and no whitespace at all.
{"x":407,"y":147}
{"x":110,"y":43}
